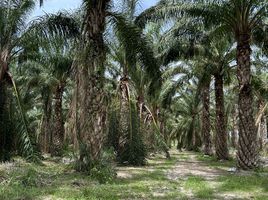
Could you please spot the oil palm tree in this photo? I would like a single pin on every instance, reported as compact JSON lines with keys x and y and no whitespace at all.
{"x":39,"y":89}
{"x":91,"y":70}
{"x":14,"y":37}
{"x":12,"y":22}
{"x":56,"y":56}
{"x":135,"y":81}
{"x":218,"y":57}
{"x":187,"y":111}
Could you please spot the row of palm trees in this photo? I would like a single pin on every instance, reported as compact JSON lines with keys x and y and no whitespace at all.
{"x":50,"y":59}
{"x":79,"y":66}
{"x":238,"y":20}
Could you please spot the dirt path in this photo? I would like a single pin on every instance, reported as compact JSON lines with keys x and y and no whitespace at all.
{"x":191,"y":176}
{"x":190,"y":166}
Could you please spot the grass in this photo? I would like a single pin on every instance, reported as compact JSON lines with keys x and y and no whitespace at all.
{"x":199,"y":187}
{"x":213,"y":162}
{"x":234,"y":186}
{"x":55,"y":180}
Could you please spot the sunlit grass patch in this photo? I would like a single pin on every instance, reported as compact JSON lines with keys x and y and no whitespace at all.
{"x":199,"y":187}
{"x":254,"y":183}
{"x":213,"y":162}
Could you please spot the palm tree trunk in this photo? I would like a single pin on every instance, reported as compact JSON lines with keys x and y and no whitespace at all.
{"x":163,"y":132}
{"x":45,"y":135}
{"x":4,"y":118}
{"x":4,"y":152}
{"x":248,"y":149}
{"x":179,"y":142}
{"x":221,"y":133}
{"x":190,"y":138}
{"x":71,"y":131}
{"x":92,"y":119}
{"x":92,"y":116}
{"x":124,"y":120}
{"x":58,"y":136}
{"x":206,"y":127}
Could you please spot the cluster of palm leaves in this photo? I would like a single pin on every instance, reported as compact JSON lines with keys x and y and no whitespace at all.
{"x":107,"y":76}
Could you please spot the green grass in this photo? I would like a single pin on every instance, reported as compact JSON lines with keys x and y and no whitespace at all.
{"x":54,"y":180}
{"x":246,"y":187}
{"x":253,"y":183}
{"x":199,"y":187}
{"x":57,"y":181}
{"x":213,"y":162}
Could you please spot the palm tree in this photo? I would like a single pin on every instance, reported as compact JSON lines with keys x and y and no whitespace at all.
{"x":39,"y":83}
{"x":136,"y":64}
{"x":187,"y":109}
{"x":56,"y":56}
{"x":217,"y":59}
{"x":12,"y":22}
{"x":15,"y":36}
{"x":181,"y":42}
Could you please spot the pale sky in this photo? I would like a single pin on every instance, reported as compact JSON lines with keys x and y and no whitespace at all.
{"x":52,"y":6}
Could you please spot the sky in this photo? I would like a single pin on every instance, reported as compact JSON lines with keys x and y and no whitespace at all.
{"x":52,"y":6}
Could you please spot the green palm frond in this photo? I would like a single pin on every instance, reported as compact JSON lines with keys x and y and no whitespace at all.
{"x":13,"y":17}
{"x":162,"y":11}
{"x":60,"y":24}
{"x":137,"y":48}
{"x":25,"y":137}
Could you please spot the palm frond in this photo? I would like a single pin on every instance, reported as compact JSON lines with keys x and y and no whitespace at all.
{"x":137,"y":48}
{"x":26,"y":142}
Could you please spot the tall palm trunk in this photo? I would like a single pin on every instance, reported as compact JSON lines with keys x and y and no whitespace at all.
{"x":206,"y":127}
{"x":124,"y":120}
{"x":4,"y":151}
{"x":190,"y":139}
{"x":4,"y":118}
{"x":46,"y":130}
{"x":58,"y":135}
{"x":248,"y":149}
{"x":221,"y":133}
{"x":179,"y":141}
{"x":92,"y":119}
{"x":163,"y":132}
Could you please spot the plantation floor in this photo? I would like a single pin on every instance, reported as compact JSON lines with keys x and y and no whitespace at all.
{"x":186,"y":176}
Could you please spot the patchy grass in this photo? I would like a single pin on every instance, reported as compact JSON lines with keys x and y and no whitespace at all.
{"x":198,"y":187}
{"x":213,"y":162}
{"x":255,"y":183}
{"x":55,"y":180}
